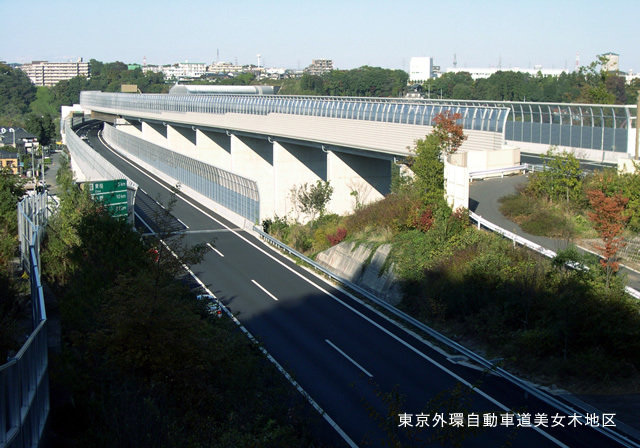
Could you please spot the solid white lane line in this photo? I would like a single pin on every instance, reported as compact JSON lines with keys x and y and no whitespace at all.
{"x":265,"y":291}
{"x":180,"y":221}
{"x":375,"y":324}
{"x":215,"y":250}
{"x":349,"y":358}
{"x":282,"y":370}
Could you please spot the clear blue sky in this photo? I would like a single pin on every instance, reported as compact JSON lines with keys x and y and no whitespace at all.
{"x":290,"y":33}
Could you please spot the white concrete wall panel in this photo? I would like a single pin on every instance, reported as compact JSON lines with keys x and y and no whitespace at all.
{"x":182,"y":140}
{"x":253,"y":158}
{"x":457,"y":184}
{"x":295,"y":165}
{"x":214,"y":148}
{"x":370,"y":177}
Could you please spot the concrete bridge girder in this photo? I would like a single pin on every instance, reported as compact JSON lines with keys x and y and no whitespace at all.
{"x":155,"y":133}
{"x":277,"y":164}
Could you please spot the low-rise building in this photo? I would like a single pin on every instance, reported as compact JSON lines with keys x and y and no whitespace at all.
{"x":18,"y":138}
{"x":9,"y":160}
{"x":319,"y":67}
{"x":484,"y":73}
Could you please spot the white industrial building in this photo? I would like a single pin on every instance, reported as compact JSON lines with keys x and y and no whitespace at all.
{"x":484,"y":73}
{"x":420,"y":70}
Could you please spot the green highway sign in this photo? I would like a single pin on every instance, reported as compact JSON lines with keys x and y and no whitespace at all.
{"x":113,"y":194}
{"x":116,"y":197}
{"x":107,"y":186}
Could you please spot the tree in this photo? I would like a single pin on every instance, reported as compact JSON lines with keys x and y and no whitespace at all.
{"x":609,"y":221}
{"x":313,"y":198}
{"x":42,"y":126}
{"x":428,"y":161}
{"x":428,"y":168}
{"x":448,"y":131}
{"x":450,"y":85}
{"x":561,"y":178}
{"x":16,"y":92}
{"x":11,"y":191}
{"x":594,"y":83}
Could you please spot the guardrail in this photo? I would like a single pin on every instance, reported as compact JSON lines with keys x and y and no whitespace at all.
{"x":502,"y":171}
{"x":481,"y":222}
{"x":490,"y":366}
{"x":24,"y":379}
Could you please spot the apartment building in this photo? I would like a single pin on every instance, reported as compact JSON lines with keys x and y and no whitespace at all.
{"x":43,"y":73}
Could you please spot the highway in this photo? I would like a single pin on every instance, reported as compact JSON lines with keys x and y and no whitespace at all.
{"x":343,"y":353}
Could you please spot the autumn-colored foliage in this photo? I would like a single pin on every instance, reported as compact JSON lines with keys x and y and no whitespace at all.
{"x":341,"y":234}
{"x":609,"y":221}
{"x":448,"y":130}
{"x":423,"y":220}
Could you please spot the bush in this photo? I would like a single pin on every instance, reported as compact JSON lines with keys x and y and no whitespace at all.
{"x":392,"y":213}
{"x":341,"y":234}
{"x":278,"y":227}
{"x":516,"y":206}
{"x":423,"y":219}
{"x":548,"y":222}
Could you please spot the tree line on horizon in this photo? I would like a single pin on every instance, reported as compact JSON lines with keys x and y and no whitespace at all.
{"x":593,"y":84}
{"x":37,"y":109}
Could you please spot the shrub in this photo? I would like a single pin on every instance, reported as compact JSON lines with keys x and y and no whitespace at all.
{"x":548,"y":222}
{"x":391,"y":213}
{"x":341,"y":234}
{"x":278,"y":227}
{"x":423,"y":219}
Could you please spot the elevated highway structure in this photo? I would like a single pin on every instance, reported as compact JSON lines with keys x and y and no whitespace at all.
{"x":285,"y":141}
{"x":278,"y":142}
{"x":596,"y":132}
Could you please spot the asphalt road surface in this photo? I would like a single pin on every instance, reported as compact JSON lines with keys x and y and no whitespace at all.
{"x":484,"y":196}
{"x":346,"y":356}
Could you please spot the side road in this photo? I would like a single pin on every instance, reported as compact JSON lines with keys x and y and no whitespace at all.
{"x":484,"y":196}
{"x":483,"y":200}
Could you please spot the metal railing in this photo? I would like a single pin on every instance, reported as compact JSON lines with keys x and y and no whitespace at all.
{"x":481,"y":222}
{"x":24,"y":379}
{"x":387,"y":110}
{"x":605,"y":127}
{"x":486,"y":364}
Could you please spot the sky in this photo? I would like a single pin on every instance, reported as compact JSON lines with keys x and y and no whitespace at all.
{"x":353,"y":33}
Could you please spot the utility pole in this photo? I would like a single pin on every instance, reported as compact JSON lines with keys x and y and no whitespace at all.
{"x":42,"y":168}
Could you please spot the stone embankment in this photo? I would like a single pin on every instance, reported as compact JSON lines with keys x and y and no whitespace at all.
{"x":364,"y":265}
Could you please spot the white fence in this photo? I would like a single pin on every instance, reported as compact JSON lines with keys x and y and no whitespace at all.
{"x":24,"y":379}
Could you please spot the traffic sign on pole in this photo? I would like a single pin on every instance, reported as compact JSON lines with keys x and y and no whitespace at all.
{"x":113,"y":194}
